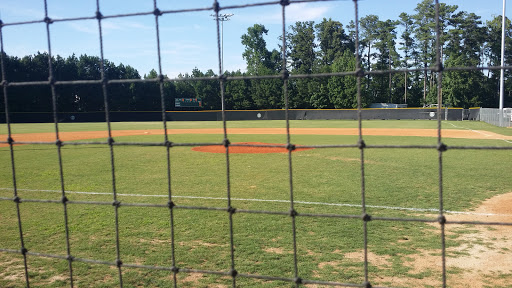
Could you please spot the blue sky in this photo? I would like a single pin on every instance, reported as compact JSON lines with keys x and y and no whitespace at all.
{"x":188,"y":40}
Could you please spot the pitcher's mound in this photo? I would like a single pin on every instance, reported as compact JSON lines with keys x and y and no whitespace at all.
{"x":246,"y":149}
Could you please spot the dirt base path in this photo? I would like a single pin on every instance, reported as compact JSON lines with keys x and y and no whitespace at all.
{"x":448,"y":133}
{"x":483,"y":256}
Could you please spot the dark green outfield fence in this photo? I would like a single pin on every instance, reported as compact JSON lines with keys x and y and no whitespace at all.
{"x":452,"y":114}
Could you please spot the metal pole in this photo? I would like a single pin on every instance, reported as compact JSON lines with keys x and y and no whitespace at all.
{"x":502,"y":72}
{"x":405,"y":88}
{"x":222,"y":18}
{"x":222,"y":47}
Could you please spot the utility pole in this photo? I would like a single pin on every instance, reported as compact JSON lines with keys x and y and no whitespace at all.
{"x":502,"y":86}
{"x":222,"y":18}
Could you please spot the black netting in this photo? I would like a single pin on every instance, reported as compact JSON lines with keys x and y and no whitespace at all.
{"x":173,"y":267}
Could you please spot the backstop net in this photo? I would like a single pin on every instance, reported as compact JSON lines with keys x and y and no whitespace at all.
{"x":221,"y":241}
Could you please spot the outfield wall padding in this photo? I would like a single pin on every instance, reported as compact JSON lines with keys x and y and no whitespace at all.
{"x":192,"y":116}
{"x":452,"y":114}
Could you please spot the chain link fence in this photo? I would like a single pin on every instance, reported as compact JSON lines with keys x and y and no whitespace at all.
{"x":493,"y":115}
{"x":174,"y":268}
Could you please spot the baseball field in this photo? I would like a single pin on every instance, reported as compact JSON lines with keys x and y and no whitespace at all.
{"x":323,"y":242}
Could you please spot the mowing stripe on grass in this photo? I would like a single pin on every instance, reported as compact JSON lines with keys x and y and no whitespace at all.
{"x":272,"y":200}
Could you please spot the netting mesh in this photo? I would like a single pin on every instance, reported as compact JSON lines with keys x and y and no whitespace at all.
{"x":166,"y":144}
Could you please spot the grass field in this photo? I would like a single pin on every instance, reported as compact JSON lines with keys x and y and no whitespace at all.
{"x":325,"y":181}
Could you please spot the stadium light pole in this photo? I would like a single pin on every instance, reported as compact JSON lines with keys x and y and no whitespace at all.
{"x":222,"y":18}
{"x":502,"y":72}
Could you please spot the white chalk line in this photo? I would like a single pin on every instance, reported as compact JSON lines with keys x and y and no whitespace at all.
{"x":480,"y":132}
{"x":271,"y":200}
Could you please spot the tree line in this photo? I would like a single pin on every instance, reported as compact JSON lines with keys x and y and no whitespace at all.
{"x":325,"y":47}
{"x":408,"y":42}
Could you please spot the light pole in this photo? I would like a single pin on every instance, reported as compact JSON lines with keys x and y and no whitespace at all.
{"x":502,"y":85}
{"x":222,"y":18}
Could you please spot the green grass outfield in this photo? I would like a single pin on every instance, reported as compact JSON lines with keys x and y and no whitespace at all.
{"x":419,"y":124}
{"x":397,"y":178}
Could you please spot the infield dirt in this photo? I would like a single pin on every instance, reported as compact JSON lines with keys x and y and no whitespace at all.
{"x":448,"y":133}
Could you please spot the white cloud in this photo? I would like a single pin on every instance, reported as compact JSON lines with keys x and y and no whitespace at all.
{"x":294,"y":13}
{"x":85,"y":27}
{"x":181,"y":48}
{"x":173,"y":29}
{"x":135,"y":25}
{"x":107,"y":26}
{"x":305,"y":12}
{"x":16,"y":13}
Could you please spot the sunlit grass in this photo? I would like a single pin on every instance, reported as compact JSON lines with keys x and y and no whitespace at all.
{"x":328,"y":249}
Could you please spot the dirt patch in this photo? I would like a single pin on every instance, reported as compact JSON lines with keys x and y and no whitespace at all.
{"x":275,"y":250}
{"x":373,"y":259}
{"x":12,"y":270}
{"x":193,"y":278}
{"x":484,"y":256}
{"x":358,"y":257}
{"x":247,"y":149}
{"x":487,"y":250}
{"x":155,"y":241}
{"x":335,"y":264}
{"x":58,"y":278}
{"x":85,"y":135}
{"x":495,"y":209}
{"x":197,"y":243}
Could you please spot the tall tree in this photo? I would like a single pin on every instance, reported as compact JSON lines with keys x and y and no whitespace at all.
{"x":425,"y":23}
{"x":301,"y":45}
{"x":343,"y":89}
{"x":369,"y":34}
{"x":464,"y":48}
{"x":386,"y":59}
{"x":266,"y":93}
{"x":184,"y":87}
{"x":492,"y":54}
{"x":302,"y":55}
{"x":407,"y":46}
{"x":332,"y":41}
{"x":207,"y":90}
{"x":237,"y":93}
{"x":259,"y":59}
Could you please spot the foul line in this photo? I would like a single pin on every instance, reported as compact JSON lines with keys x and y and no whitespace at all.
{"x":269,"y":200}
{"x":479,"y":132}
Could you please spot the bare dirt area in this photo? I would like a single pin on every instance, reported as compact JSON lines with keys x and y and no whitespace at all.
{"x":483,"y":258}
{"x":86,"y":135}
{"x":247,"y":148}
{"x":486,"y":251}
